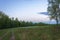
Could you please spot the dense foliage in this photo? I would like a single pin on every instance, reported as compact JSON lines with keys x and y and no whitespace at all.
{"x":54,"y":10}
{"x":6,"y":22}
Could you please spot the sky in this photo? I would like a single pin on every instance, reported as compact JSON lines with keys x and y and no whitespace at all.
{"x":26,"y":10}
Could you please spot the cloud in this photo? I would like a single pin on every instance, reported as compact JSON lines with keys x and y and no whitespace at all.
{"x":26,"y":10}
{"x":33,"y":17}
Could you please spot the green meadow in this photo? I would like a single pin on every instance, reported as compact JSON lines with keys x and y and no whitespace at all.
{"x":30,"y":33}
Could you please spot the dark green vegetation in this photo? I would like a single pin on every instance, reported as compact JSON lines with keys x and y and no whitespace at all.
{"x":54,"y":10}
{"x":21,"y":30}
{"x":6,"y":22}
{"x":31,"y":33}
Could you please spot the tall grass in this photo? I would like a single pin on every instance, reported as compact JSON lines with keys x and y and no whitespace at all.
{"x":37,"y":33}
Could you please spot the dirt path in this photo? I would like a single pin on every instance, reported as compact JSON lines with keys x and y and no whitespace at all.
{"x":4,"y":35}
{"x":0,"y":38}
{"x":12,"y":35}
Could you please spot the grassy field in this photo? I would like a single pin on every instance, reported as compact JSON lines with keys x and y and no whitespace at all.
{"x":31,"y":33}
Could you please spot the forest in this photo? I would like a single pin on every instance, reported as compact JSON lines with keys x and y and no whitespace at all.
{"x":6,"y":22}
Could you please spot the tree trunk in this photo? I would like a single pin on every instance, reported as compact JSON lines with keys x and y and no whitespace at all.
{"x":57,"y":22}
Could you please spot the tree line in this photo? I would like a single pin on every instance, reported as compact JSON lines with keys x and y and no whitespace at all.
{"x":6,"y":22}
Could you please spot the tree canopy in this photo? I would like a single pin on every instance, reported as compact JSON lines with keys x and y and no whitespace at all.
{"x":54,"y":10}
{"x":6,"y":22}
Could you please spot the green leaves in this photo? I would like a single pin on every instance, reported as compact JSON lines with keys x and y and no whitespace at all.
{"x":54,"y":9}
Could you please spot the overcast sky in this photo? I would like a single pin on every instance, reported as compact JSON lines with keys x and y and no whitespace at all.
{"x":26,"y":10}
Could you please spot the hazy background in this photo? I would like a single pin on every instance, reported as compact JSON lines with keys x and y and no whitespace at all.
{"x":26,"y":10}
